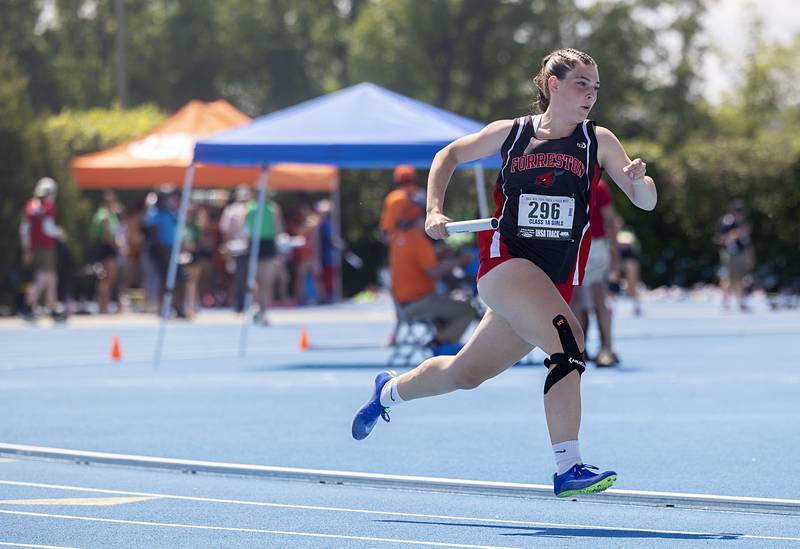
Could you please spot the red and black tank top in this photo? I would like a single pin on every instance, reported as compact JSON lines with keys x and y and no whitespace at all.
{"x":543,"y":194}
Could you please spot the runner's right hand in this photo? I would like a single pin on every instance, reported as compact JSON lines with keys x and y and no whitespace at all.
{"x":435,"y":225}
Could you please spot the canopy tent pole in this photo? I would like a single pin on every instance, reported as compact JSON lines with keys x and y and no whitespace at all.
{"x":480,"y":187}
{"x":252,"y":262}
{"x":172,"y":273}
{"x":337,"y":240}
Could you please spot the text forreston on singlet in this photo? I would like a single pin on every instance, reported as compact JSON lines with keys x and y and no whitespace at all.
{"x":559,"y":161}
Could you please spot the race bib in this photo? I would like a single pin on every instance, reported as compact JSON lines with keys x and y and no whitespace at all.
{"x":545,"y":217}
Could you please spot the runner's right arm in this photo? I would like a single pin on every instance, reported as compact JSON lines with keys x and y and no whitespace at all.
{"x":464,"y":149}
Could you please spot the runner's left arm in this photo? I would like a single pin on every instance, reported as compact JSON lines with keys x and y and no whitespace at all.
{"x":629,"y":175}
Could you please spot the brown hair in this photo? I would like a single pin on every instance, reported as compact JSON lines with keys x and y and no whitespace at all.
{"x":558,"y":64}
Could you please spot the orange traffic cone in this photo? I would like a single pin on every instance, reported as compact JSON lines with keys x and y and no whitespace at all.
{"x":304,"y":345}
{"x":116,"y":352}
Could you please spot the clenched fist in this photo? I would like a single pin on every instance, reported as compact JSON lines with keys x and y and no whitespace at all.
{"x":435,"y":225}
{"x":636,"y":170}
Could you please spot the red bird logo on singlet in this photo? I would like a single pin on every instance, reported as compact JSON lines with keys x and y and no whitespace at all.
{"x":547,"y":179}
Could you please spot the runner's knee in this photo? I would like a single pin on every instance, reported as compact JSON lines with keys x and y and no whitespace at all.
{"x":467,"y":379}
{"x":562,"y":364}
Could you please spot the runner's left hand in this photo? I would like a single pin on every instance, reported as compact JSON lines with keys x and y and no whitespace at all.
{"x":636,"y":170}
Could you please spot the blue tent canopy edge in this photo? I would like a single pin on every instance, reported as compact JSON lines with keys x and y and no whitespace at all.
{"x":363,"y":126}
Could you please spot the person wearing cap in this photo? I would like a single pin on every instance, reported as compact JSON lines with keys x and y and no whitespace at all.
{"x":415,"y":270}
{"x":38,"y":236}
{"x":406,"y":196}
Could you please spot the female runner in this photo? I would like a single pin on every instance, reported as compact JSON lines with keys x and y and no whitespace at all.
{"x":551,"y":164}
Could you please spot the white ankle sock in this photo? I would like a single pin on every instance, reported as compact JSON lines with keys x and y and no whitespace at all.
{"x":567,"y":454}
{"x":389,"y":395}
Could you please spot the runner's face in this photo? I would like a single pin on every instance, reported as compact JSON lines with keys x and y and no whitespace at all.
{"x":578,"y":91}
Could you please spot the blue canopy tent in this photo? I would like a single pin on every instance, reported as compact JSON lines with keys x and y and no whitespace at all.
{"x":363,"y":126}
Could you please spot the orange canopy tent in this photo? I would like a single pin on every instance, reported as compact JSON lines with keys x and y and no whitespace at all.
{"x":163,"y":155}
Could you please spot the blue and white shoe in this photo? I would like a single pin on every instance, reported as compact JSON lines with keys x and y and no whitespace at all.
{"x":367,"y":416}
{"x":581,"y":480}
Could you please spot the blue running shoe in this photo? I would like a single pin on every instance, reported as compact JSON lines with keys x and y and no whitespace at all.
{"x":581,"y":480}
{"x":367,"y":416}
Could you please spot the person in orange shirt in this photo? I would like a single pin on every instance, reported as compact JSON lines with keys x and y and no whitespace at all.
{"x":414,"y":270}
{"x":406,"y":196}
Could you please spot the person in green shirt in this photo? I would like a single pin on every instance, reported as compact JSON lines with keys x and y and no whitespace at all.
{"x":271,"y":226}
{"x":106,"y":234}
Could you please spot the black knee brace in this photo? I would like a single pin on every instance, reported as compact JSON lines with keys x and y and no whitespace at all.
{"x":570,"y":359}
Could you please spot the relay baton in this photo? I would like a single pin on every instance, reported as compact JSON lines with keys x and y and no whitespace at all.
{"x":473,"y":225}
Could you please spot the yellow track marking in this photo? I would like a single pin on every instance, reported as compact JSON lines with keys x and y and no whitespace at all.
{"x":98,"y":502}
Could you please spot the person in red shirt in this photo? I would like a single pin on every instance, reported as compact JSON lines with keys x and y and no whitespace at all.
{"x":603,"y":262}
{"x":38,"y":235}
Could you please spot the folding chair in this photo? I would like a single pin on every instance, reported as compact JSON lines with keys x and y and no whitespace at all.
{"x":410,"y":337}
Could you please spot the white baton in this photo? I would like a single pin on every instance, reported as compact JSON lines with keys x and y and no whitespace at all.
{"x":473,"y":225}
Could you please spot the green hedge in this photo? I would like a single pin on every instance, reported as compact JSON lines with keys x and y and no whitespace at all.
{"x":33,"y":148}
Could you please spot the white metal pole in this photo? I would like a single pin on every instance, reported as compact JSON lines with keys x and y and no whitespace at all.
{"x":480,"y":187}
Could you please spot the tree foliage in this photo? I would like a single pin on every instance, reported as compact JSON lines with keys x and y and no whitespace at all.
{"x":16,"y":164}
{"x":474,"y":57}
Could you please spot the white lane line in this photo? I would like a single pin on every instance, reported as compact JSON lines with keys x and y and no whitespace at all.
{"x":256,"y":531}
{"x":613,"y":495}
{"x":386,"y":513}
{"x":86,"y":502}
{"x":9,"y":544}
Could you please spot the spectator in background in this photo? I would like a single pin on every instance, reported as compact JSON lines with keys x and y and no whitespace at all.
{"x":415,"y":270}
{"x":603,"y":261}
{"x":162,"y":222}
{"x":628,"y":249}
{"x":329,"y":246}
{"x":308,"y":267}
{"x":151,"y":279}
{"x":737,"y":257}
{"x":232,"y":225}
{"x":108,"y":246}
{"x":38,"y":235}
{"x":271,"y":226}
{"x":207,"y":246}
{"x":130,"y":273}
{"x":406,"y":196}
{"x":283,"y":278}
{"x":195,"y":221}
